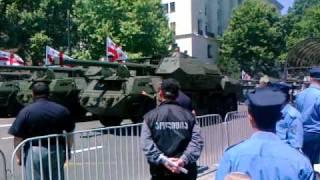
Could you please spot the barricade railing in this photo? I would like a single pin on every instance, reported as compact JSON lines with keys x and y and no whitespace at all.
{"x":3,"y":167}
{"x":105,"y":153}
{"x":212,"y":131}
{"x":237,"y":127}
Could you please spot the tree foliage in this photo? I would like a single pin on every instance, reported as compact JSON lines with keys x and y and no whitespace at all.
{"x":253,"y":40}
{"x":26,"y":19}
{"x":140,"y":26}
{"x":302,"y":22}
{"x":308,"y":26}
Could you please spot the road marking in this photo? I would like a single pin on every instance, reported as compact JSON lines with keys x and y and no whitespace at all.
{"x":86,"y":149}
{"x":5,"y":125}
{"x":5,"y":138}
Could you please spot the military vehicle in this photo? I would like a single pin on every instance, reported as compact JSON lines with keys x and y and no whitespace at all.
{"x":119,"y":91}
{"x":65,"y":85}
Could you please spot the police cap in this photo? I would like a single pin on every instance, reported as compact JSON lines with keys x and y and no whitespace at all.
{"x":265,"y":106}
{"x":170,"y":87}
{"x":315,"y":73}
{"x":282,"y":86}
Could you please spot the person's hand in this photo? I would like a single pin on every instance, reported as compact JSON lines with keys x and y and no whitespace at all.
{"x":180,"y":163}
{"x":173,"y":167}
{"x":18,"y":161}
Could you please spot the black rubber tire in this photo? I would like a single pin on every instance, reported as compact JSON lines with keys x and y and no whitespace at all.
{"x":110,"y":121}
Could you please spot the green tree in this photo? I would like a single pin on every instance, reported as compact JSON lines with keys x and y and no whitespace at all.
{"x":295,"y":16}
{"x":38,"y":43}
{"x":3,"y":24}
{"x":300,"y":6}
{"x":139,"y":26}
{"x":307,"y":27}
{"x":25,"y":19}
{"x":253,"y":40}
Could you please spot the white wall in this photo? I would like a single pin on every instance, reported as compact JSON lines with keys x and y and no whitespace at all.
{"x":186,"y":16}
{"x":212,"y":18}
{"x":200,"y":49}
{"x":182,"y":16}
{"x":185,"y":44}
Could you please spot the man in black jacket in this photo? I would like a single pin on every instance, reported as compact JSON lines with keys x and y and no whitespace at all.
{"x":171,"y":138}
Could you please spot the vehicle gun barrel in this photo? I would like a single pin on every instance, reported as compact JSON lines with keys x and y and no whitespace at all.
{"x":39,"y":68}
{"x":133,"y":66}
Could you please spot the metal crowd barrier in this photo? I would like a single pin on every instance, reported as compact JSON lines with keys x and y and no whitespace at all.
{"x":105,"y":153}
{"x":3,"y":167}
{"x":214,"y":136}
{"x":237,"y":127}
{"x":114,"y":153}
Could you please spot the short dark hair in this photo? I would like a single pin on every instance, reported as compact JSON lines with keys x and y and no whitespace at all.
{"x":40,"y":89}
{"x":265,"y":118}
{"x":170,"y":88}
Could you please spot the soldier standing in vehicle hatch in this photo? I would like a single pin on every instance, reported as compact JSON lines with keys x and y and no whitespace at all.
{"x":170,"y":133}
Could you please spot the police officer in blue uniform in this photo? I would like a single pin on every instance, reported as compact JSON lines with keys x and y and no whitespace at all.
{"x":289,"y":128}
{"x":264,"y":155}
{"x":43,"y":117}
{"x":170,"y":134}
{"x":308,"y":103}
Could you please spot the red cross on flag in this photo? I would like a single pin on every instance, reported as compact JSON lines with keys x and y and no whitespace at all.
{"x":245,"y":76}
{"x":115,"y":51}
{"x":55,"y":57}
{"x":9,"y":58}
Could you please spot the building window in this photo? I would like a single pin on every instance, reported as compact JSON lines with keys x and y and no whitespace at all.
{"x":172,"y":7}
{"x":165,"y":8}
{"x":173,"y":27}
{"x":200,"y":31}
{"x":209,"y":51}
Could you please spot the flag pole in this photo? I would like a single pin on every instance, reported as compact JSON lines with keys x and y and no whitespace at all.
{"x":107,"y":58}
{"x":46,"y":61}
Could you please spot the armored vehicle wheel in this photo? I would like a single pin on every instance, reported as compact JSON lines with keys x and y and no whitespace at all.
{"x":137,"y":119}
{"x":230,"y":104}
{"x":13,"y":107}
{"x":110,"y":121}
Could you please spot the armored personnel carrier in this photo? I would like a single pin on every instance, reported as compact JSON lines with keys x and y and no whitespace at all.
{"x":114,"y":92}
{"x":65,"y":85}
{"x":118,"y":91}
{"x":210,"y":91}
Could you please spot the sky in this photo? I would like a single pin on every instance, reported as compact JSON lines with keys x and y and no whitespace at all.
{"x":286,"y":4}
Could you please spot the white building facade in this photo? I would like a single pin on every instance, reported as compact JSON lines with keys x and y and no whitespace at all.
{"x":198,"y":23}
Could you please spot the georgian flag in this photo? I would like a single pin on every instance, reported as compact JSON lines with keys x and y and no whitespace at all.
{"x":115,"y":51}
{"x":11,"y":59}
{"x":54,"y":57}
{"x":245,"y":76}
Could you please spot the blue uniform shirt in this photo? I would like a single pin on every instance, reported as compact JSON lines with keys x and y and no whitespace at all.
{"x":290,"y":128}
{"x":265,"y":156}
{"x":308,"y":104}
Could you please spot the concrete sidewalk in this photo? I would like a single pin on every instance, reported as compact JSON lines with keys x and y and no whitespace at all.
{"x":210,"y":176}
